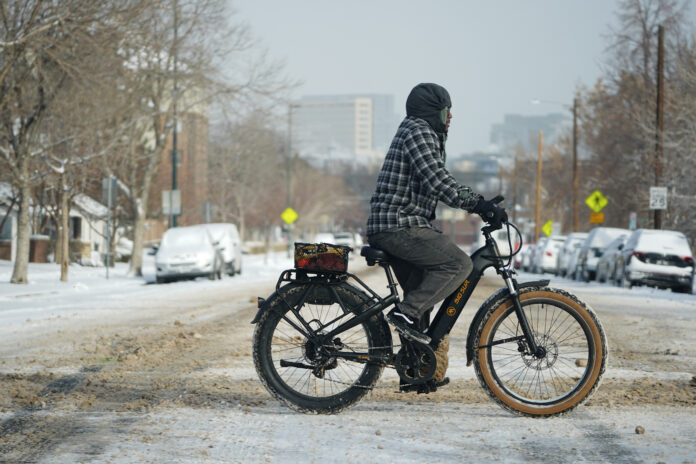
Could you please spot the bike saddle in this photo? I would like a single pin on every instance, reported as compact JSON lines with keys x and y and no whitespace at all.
{"x":374,"y":255}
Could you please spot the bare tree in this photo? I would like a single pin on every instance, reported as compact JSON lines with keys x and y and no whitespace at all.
{"x":176,"y":62}
{"x":619,"y":112}
{"x":244,"y":164}
{"x":38,"y":44}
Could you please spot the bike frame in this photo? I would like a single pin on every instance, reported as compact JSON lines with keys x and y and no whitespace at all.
{"x":447,"y":315}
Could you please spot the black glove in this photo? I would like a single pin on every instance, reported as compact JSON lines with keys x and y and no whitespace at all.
{"x":490,"y":211}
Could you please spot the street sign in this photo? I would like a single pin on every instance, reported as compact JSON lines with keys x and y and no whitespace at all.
{"x":596,"y":201}
{"x":548,"y":228}
{"x":109,"y":192}
{"x":171,"y":201}
{"x":658,"y":197}
{"x":596,"y":218}
{"x":289,"y":215}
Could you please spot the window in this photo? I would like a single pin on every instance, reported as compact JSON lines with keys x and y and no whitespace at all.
{"x":6,"y":232}
{"x":75,"y":228}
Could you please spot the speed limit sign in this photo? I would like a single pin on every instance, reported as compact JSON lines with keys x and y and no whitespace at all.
{"x":658,"y":197}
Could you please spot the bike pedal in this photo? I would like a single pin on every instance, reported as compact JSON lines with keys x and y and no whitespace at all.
{"x":430,"y":386}
{"x":424,"y":339}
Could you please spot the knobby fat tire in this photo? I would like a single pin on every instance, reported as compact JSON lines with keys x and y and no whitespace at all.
{"x":354,"y":300}
{"x":580,"y":393}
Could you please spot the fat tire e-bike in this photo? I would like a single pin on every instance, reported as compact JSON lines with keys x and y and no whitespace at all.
{"x":321,"y":342}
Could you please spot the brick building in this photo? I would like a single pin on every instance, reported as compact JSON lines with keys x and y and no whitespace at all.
{"x":192,"y":176}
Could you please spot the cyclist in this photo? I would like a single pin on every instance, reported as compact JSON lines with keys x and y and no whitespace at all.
{"x":413,"y":178}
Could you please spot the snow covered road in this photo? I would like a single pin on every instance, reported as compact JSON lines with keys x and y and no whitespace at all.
{"x":119,"y":371}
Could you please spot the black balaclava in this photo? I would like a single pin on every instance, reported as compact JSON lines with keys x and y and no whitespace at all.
{"x":427,"y":101}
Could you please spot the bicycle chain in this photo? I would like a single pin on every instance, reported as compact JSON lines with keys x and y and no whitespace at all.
{"x":374,"y":387}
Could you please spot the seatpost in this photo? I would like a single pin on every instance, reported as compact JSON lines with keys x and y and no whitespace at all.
{"x":390,"y":278}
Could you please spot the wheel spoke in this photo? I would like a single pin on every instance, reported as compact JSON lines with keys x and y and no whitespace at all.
{"x":551,"y":377}
{"x":289,"y":344}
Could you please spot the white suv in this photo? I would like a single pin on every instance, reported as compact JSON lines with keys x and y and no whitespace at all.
{"x":661,"y":258}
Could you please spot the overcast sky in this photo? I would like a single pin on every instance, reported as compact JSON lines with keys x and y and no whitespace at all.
{"x":492,"y":56}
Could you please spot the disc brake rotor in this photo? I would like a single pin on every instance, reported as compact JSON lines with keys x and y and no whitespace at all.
{"x":551,"y":354}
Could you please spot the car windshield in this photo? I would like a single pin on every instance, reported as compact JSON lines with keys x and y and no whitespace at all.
{"x":604,"y":237}
{"x":665,"y":242}
{"x":182,"y":238}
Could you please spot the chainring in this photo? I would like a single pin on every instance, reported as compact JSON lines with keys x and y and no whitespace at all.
{"x":415,"y":364}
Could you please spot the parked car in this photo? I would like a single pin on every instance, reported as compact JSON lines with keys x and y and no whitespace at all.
{"x":527,"y":256}
{"x":519,"y":257}
{"x":344,"y":238}
{"x":661,"y":258}
{"x":349,"y":239}
{"x":186,"y":253}
{"x":547,"y":255}
{"x":573,"y":261}
{"x":572,"y":241}
{"x":536,"y":257}
{"x":590,"y":251}
{"x":606,"y":266}
{"x":324,"y":237}
{"x":226,"y":237}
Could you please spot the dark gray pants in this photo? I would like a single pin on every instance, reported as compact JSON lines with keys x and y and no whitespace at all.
{"x":427,"y":264}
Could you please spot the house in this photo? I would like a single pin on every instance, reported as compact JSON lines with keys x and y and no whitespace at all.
{"x":87,"y":223}
{"x":8,"y":222}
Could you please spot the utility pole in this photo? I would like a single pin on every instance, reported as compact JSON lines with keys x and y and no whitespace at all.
{"x":576,"y":221}
{"x":659,"y":117}
{"x":514,"y":193}
{"x":174,"y":134}
{"x":537,"y":222}
{"x":288,"y":180}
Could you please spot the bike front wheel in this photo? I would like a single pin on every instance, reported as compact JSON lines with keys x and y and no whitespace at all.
{"x":304,"y":378}
{"x":565,"y":373}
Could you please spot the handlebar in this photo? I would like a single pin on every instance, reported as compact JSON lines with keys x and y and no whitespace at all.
{"x":493,"y":227}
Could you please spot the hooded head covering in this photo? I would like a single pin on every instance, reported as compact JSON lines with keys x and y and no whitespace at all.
{"x":429,"y":102}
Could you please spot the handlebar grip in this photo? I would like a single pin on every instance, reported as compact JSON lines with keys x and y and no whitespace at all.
{"x":497,"y":199}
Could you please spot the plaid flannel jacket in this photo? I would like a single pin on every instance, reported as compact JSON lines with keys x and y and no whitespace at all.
{"x":412,"y":180}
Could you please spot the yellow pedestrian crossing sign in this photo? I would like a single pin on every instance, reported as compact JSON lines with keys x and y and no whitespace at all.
{"x":596,"y":201}
{"x":548,"y":227}
{"x":289,"y":215}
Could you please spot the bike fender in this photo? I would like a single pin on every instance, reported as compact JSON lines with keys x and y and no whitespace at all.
{"x":500,"y":294}
{"x":265,"y":304}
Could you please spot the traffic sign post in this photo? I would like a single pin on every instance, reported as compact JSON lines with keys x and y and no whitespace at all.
{"x":658,"y":197}
{"x":171,"y":202}
{"x":548,"y":228}
{"x":596,"y":201}
{"x":632,"y":220}
{"x":289,"y":216}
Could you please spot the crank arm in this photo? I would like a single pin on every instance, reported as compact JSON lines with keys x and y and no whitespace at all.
{"x":284,"y":363}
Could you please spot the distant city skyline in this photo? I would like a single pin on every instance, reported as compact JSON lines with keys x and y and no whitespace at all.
{"x":493,"y":57}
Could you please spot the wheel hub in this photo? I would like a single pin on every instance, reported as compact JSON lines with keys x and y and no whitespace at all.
{"x":320,"y":356}
{"x":546,"y":355}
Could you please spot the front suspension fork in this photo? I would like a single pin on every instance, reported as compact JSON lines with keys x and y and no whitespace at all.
{"x":534,"y":349}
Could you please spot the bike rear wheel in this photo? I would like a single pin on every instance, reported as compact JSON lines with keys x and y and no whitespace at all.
{"x":575,"y":353}
{"x":283,"y":355}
